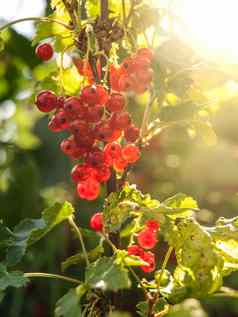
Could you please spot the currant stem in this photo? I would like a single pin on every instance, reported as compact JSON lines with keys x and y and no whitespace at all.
{"x":79,"y":235}
{"x":40,"y":19}
{"x":147,"y":115}
{"x":52,"y":276}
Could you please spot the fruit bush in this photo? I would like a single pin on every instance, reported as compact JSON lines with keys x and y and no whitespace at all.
{"x":106,"y":57}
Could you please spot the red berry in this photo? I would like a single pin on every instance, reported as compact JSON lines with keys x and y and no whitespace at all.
{"x":96,"y":222}
{"x":96,"y":157}
{"x":116,"y":102}
{"x":135,"y":250}
{"x":131,"y":153}
{"x":115,"y":73}
{"x":95,"y":113}
{"x":145,"y":76}
{"x":103,"y":174}
{"x":93,"y":95}
{"x":147,"y":239}
{"x":149,"y":258}
{"x":120,"y":120}
{"x":70,"y":148}
{"x":132,"y":133}
{"x":74,"y":108}
{"x":46,"y":101}
{"x":119,"y":164}
{"x":60,"y":102}
{"x":89,"y":189}
{"x":103,"y":131}
{"x":153,"y":225}
{"x":112,"y":150}
{"x":127,"y":65}
{"x":58,"y":122}
{"x":126,"y":83}
{"x":80,"y":129}
{"x":81,"y":172}
{"x":44,"y":51}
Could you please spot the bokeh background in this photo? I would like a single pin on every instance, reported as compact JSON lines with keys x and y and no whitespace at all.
{"x":34,"y":173}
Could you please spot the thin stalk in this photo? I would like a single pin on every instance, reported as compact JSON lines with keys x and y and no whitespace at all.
{"x":138,"y":280}
{"x":80,"y":237}
{"x":165,"y":262}
{"x":40,"y":19}
{"x":146,"y":115}
{"x":52,"y":276}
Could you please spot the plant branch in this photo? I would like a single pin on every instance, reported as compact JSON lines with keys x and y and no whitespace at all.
{"x":39,"y":19}
{"x":146,"y":115}
{"x":71,"y":10}
{"x":52,"y":276}
{"x":80,"y":237}
{"x":104,"y":9}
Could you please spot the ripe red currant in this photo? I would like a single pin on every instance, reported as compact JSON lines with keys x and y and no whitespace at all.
{"x":88,"y":189}
{"x":93,"y":95}
{"x":131,"y":153}
{"x":132,"y":133}
{"x":46,"y":101}
{"x":120,"y":120}
{"x":116,"y":102}
{"x":95,"y":113}
{"x":135,"y":250}
{"x":147,"y":239}
{"x":74,"y":108}
{"x":95,"y":157}
{"x":96,"y":222}
{"x":146,"y":52}
{"x":112,"y":150}
{"x":70,"y":148}
{"x":119,"y":164}
{"x":149,"y":258}
{"x":44,"y":51}
{"x":103,"y":174}
{"x":152,"y":225}
{"x":58,"y":122}
{"x":81,"y":172}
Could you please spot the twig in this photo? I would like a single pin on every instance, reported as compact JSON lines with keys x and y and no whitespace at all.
{"x":52,"y":276}
{"x":78,"y":232}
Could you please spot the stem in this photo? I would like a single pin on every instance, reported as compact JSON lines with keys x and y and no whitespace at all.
{"x":165,"y":262}
{"x":138,"y":280}
{"x":147,"y":115}
{"x":104,"y":9}
{"x":79,"y":235}
{"x":52,"y":276}
{"x":70,"y":8}
{"x":40,"y":19}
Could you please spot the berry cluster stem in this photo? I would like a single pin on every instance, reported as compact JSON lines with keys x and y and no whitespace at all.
{"x":79,"y":235}
{"x":52,"y":276}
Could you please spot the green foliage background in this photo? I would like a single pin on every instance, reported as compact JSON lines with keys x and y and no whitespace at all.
{"x":34,"y":174}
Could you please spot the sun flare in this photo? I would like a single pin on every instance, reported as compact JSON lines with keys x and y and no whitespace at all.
{"x":211,"y":26}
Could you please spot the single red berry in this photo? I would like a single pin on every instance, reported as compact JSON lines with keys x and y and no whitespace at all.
{"x":79,"y":129}
{"x":112,"y":150}
{"x":74,"y":108}
{"x":147,"y":239}
{"x":103,"y":174}
{"x":126,"y":83}
{"x":93,"y":95}
{"x":103,"y":131}
{"x":44,"y":51}
{"x":131,"y":153}
{"x":46,"y":101}
{"x":116,"y":102}
{"x":132,"y":133}
{"x":70,"y":148}
{"x":88,"y":189}
{"x":127,"y":65}
{"x":58,"y":122}
{"x":152,"y":225}
{"x":141,"y":63}
{"x":96,"y":222}
{"x":96,"y":157}
{"x":120,"y":120}
{"x":149,"y":258}
{"x":119,"y":164}
{"x":95,"y":113}
{"x":145,"y":76}
{"x":135,"y":250}
{"x":81,"y":172}
{"x":87,"y":140}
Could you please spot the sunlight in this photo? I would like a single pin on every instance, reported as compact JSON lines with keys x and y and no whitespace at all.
{"x":211,"y":26}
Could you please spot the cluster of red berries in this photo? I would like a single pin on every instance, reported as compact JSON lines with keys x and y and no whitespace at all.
{"x":147,"y":239}
{"x":134,"y":74}
{"x":95,"y":120}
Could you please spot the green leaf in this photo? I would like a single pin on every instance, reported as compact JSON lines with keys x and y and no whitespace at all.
{"x":14,"y":279}
{"x":2,"y":44}
{"x":107,"y":275}
{"x":69,"y":305}
{"x":30,"y":231}
{"x":71,"y":80}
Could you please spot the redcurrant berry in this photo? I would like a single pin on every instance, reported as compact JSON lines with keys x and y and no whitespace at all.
{"x":132,"y":133}
{"x":131,"y":153}
{"x":88,"y":189}
{"x":120,"y":120}
{"x":116,"y":102}
{"x":74,"y":108}
{"x":149,"y":258}
{"x":46,"y":101}
{"x":58,"y":122}
{"x":44,"y":51}
{"x":96,"y":222}
{"x":135,"y":250}
{"x":152,"y":225}
{"x":147,"y":239}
